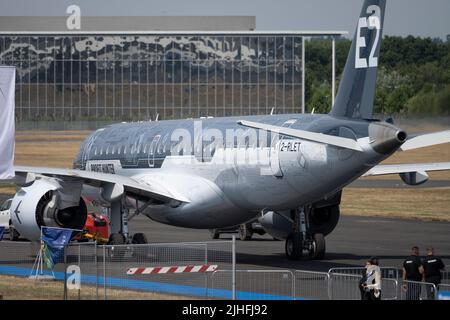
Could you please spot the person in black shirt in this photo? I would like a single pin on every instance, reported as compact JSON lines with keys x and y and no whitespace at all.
{"x":412,"y":271}
{"x":432,"y":267}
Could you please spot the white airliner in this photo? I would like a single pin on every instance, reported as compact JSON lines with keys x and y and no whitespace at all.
{"x":288,"y":170}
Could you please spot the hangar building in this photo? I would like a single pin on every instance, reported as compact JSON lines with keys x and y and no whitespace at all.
{"x":140,"y":68}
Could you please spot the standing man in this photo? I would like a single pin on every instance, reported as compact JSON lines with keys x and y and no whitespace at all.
{"x":412,"y":271}
{"x":432,"y":267}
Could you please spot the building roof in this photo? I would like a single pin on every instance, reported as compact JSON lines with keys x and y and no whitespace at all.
{"x":126,"y":23}
{"x":159,"y":25}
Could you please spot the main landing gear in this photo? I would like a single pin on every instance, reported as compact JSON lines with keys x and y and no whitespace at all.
{"x":119,"y":216}
{"x":300,"y":239}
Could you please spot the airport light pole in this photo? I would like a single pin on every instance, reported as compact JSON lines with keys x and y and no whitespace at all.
{"x":333,"y":70}
{"x":303,"y":74}
{"x":233,"y":268}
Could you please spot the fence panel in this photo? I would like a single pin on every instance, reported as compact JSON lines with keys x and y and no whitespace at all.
{"x":344,"y":286}
{"x":311,"y":285}
{"x":86,"y":257}
{"x":386,"y":272}
{"x":445,"y":277}
{"x":254,"y":284}
{"x":416,"y":290}
{"x":162,"y":271}
{"x":443,"y":291}
{"x":25,"y":277}
{"x":389,"y":289}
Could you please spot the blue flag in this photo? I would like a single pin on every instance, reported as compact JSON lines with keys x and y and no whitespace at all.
{"x":2,"y":232}
{"x":55,"y":240}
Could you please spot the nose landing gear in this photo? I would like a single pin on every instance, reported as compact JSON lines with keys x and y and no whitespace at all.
{"x":300,"y":239}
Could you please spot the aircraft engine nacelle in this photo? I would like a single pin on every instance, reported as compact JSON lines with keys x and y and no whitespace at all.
{"x":48,"y":202}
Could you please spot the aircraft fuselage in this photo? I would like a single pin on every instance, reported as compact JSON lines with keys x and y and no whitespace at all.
{"x":232,"y":172}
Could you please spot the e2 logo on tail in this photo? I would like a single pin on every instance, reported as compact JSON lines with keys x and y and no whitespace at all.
{"x":371,"y":22}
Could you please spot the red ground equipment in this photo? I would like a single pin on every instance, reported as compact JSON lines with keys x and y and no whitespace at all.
{"x":95,"y":228}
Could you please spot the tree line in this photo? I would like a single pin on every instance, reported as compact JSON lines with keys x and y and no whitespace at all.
{"x":413,"y":75}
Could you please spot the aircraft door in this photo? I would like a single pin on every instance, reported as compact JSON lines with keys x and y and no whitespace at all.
{"x":87,"y":149}
{"x":275,"y":150}
{"x":274,"y":157}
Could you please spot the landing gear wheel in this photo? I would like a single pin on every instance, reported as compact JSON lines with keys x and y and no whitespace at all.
{"x":139,"y":238}
{"x":13,"y":234}
{"x":294,"y":246}
{"x":317,"y":251}
{"x":245,"y":233}
{"x":116,"y":250}
{"x":139,"y":251}
{"x":116,"y":238}
{"x":215,"y":234}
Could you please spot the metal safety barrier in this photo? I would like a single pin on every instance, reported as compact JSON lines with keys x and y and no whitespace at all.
{"x":417,"y":290}
{"x":344,"y":286}
{"x":163,"y":285}
{"x":184,"y":270}
{"x":386,"y":272}
{"x":254,"y":284}
{"x":445,"y":277}
{"x":311,"y":285}
{"x":90,"y":271}
{"x":443,"y":291}
{"x":389,"y":289}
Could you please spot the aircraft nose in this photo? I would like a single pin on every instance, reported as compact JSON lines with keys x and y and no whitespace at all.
{"x":385,"y":138}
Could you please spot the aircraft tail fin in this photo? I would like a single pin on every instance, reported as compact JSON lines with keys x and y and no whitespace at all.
{"x":357,"y":87}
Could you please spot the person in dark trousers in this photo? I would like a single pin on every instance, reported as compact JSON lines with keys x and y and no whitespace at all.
{"x":432,"y":267}
{"x":363,"y":282}
{"x":412,"y":271}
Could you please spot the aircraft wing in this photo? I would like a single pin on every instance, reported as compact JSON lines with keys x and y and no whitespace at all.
{"x":426,"y":140}
{"x":406,"y":168}
{"x":306,"y":135}
{"x":98,"y":179}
